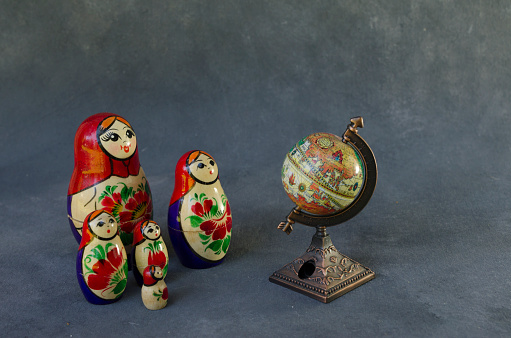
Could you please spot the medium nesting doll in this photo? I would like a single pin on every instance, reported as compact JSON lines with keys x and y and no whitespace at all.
{"x":148,"y":249}
{"x":199,"y":217}
{"x":101,"y":264}
{"x":107,"y":175}
{"x":154,"y":291}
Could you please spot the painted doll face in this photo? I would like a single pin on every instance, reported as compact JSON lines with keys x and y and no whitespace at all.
{"x":151,"y":231}
{"x":104,"y":226}
{"x":204,"y":169}
{"x":119,"y":141}
{"x":158,"y":273}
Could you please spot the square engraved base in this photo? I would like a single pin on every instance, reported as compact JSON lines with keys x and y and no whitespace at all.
{"x":322,"y":273}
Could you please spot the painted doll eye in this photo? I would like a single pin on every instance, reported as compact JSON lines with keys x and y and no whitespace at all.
{"x":110,"y":136}
{"x":114,"y":137}
{"x":201,"y":165}
{"x":111,"y":220}
{"x":101,"y":223}
{"x":129,"y":133}
{"x":212,"y":162}
{"x":150,"y":230}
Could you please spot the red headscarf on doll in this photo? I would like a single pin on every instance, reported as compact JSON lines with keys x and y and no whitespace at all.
{"x":87,"y":235}
{"x":138,"y":232}
{"x":183,"y":181}
{"x":149,"y":278}
{"x":92,"y":164}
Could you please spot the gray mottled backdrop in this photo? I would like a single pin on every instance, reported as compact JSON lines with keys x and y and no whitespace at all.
{"x":244,"y":81}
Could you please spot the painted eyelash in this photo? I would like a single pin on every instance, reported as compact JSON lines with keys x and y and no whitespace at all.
{"x":106,"y":137}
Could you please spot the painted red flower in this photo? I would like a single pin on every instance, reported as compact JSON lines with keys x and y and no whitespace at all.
{"x":218,"y":227}
{"x":112,"y":204}
{"x":138,"y":206}
{"x":165,"y":294}
{"x":104,"y":269}
{"x":158,"y":258}
{"x":229,"y":217}
{"x":207,"y":206}
{"x":200,"y":210}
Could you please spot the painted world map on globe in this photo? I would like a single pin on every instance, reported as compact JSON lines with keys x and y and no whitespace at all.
{"x":323,"y":175}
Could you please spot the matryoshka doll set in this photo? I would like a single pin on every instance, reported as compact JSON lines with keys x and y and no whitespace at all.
{"x":110,"y":210}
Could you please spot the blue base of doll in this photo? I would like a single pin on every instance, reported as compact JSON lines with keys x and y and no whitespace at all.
{"x":186,"y":255}
{"x":91,"y":298}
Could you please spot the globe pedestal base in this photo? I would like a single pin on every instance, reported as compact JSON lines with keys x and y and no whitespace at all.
{"x":322,"y":273}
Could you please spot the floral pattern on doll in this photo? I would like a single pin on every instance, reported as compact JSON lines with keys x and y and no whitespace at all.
{"x":156,"y":256}
{"x":215,"y":224}
{"x":108,"y":274}
{"x":128,"y":206}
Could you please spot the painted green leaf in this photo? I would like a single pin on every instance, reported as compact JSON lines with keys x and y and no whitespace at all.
{"x":120,"y":286}
{"x":110,"y":190}
{"x":125,"y":268}
{"x":225,"y":244}
{"x":102,"y":196}
{"x":214,"y":209}
{"x":107,"y":246}
{"x":202,"y":196}
{"x":158,"y":295}
{"x":98,"y":252}
{"x":125,"y":194}
{"x":195,"y":221}
{"x":203,"y":237}
{"x":215,"y":245}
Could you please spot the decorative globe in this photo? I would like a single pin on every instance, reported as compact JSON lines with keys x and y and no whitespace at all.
{"x":322,"y":174}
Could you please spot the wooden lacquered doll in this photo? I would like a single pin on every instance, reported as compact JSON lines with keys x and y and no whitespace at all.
{"x":101,"y":264}
{"x":148,"y":249}
{"x":199,"y":216}
{"x":154,"y":290}
{"x":107,"y":175}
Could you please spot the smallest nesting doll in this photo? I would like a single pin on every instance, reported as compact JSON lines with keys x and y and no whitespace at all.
{"x":101,"y":264}
{"x":154,"y":290}
{"x":148,"y":249}
{"x":199,"y":217}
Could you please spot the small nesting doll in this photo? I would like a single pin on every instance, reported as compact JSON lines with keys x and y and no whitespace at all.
{"x":148,"y":249}
{"x":101,"y":264}
{"x":154,"y":290}
{"x":199,"y":216}
{"x":107,"y":175}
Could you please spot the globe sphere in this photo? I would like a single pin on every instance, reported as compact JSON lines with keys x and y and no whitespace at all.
{"x":322,"y":174}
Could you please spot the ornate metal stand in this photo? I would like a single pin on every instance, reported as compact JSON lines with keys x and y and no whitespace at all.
{"x":322,"y":272}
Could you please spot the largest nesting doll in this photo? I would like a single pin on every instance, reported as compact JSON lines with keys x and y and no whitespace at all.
{"x":107,"y":175}
{"x":199,"y":217}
